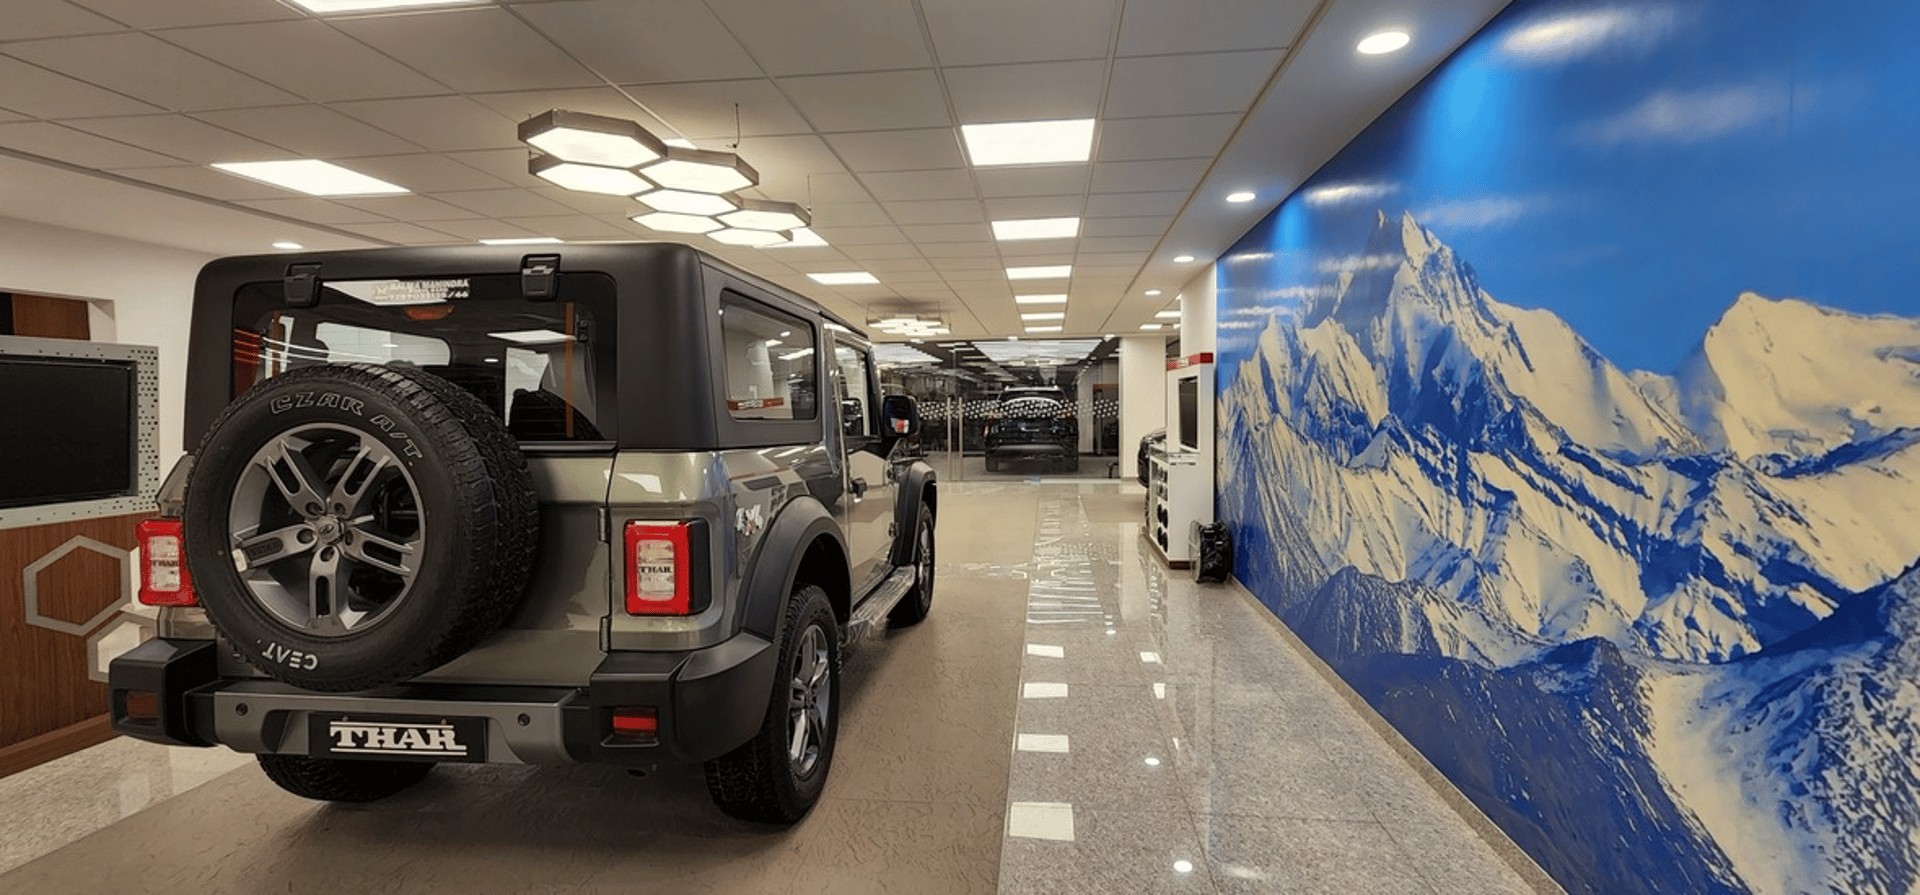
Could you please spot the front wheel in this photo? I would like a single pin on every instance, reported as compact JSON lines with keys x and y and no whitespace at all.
{"x":337,"y":780}
{"x":777,"y":776}
{"x":914,"y":606}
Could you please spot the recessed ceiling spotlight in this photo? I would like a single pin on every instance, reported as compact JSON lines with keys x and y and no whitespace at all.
{"x":1383,"y":42}
{"x":1183,"y":259}
{"x":1239,"y":197}
{"x":287,"y":245}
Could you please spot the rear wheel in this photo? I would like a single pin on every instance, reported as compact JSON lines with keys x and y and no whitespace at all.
{"x":335,"y":780}
{"x":914,"y":606}
{"x":777,"y":776}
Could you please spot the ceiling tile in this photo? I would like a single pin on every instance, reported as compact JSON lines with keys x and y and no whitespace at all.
{"x":1021,"y":207}
{"x":1038,"y":180}
{"x":1183,"y":136}
{"x":148,"y":14}
{"x":408,"y":208}
{"x":979,"y":251}
{"x":520,"y":105}
{"x":316,"y":211}
{"x":307,"y":58}
{"x":402,"y":234}
{"x":894,"y":250}
{"x":1183,"y":26}
{"x":812,"y":38}
{"x":926,"y":234}
{"x":870,"y":102}
{"x":32,"y":19}
{"x":837,"y":189}
{"x":1135,"y":226}
{"x":503,"y":203}
{"x":472,"y":51}
{"x":614,"y":208}
{"x":908,"y":150}
{"x":856,"y":236}
{"x":979,"y":32}
{"x":1094,"y":245}
{"x":181,"y":137}
{"x":482,"y":228}
{"x":1114,"y":259}
{"x":640,"y":43}
{"x":1028,"y":92}
{"x":849,"y":214}
{"x":440,"y":123}
{"x":310,"y":131}
{"x":427,"y":172}
{"x":1120,"y":205}
{"x":911,"y":185}
{"x":1164,"y":174}
{"x":128,"y":64}
{"x":880,"y":266}
{"x":1025,"y":250}
{"x":77,"y":147}
{"x":786,"y":163}
{"x":705,"y":111}
{"x":509,"y":165}
{"x":941,"y":211}
{"x":44,"y":94}
{"x":1192,"y":84}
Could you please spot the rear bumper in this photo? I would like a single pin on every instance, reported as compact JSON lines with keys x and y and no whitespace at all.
{"x":707,"y":701}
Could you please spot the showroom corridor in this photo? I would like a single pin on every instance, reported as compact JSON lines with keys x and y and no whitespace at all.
{"x":1072,"y":717}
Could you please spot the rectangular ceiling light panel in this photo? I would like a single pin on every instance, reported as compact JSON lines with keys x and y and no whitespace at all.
{"x":1037,"y":228}
{"x":849,"y":278}
{"x":1058,"y":299}
{"x":1029,"y":142}
{"x":313,"y":177}
{"x":1051,"y":272}
{"x":322,"y":7}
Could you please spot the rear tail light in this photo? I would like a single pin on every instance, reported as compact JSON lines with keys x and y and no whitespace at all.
{"x":163,"y":568}
{"x":635,"y":725}
{"x":658,"y":569}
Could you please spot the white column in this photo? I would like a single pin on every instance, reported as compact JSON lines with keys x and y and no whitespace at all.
{"x":1143,"y":395}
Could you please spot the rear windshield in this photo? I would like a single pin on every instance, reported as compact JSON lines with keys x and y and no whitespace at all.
{"x":1034,"y":408}
{"x":545,"y":368}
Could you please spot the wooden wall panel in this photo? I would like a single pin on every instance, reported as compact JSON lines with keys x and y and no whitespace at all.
{"x":44,"y":682}
{"x":50,"y":318}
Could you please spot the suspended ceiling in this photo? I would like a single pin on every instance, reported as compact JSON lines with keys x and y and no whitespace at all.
{"x":111,"y":112}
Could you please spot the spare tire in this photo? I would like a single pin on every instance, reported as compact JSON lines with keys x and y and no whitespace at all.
{"x":353,"y":525}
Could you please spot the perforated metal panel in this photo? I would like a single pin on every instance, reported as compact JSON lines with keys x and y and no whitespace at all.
{"x":146,"y":360}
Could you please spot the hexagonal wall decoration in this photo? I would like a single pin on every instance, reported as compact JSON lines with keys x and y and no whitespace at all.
{"x":111,"y":597}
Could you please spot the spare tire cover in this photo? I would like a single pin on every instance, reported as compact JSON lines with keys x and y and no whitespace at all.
{"x":353,"y":525}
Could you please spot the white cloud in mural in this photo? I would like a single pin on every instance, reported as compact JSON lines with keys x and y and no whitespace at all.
{"x":1357,"y":192}
{"x":1481,"y":214}
{"x":1565,"y":37}
{"x":1352,"y":264}
{"x":1688,"y":117}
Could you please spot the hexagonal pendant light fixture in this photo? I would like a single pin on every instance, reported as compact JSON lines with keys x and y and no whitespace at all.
{"x":735,"y":236}
{"x":591,"y":139}
{"x":587,"y":178}
{"x":758,"y":214}
{"x":701,"y":171}
{"x":683,"y":202}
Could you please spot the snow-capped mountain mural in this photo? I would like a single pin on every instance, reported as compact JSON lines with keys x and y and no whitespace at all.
{"x":1660,"y":627}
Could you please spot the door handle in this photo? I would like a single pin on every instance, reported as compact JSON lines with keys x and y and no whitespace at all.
{"x":859,"y":487}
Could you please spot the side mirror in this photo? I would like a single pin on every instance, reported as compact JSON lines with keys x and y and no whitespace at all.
{"x":900,"y":415}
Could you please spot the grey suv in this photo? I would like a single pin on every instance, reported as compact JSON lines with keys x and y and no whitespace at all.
{"x":617,"y":503}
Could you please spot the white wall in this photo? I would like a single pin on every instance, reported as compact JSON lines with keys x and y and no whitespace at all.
{"x":1198,"y":313}
{"x":139,"y":294}
{"x":1143,"y":395}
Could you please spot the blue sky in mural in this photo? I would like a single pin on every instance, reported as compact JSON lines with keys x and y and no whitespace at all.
{"x":1697,"y":150}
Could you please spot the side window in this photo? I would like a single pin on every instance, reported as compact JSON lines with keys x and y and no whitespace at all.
{"x":856,"y":402}
{"x":769,"y":360}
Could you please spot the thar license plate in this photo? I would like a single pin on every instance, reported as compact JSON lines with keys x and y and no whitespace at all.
{"x":415,"y":738}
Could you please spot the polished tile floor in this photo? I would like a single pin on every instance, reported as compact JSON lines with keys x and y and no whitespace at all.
{"x":1073,"y":717}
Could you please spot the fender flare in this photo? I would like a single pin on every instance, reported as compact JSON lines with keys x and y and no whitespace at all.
{"x":915,"y":484}
{"x":770,"y":578}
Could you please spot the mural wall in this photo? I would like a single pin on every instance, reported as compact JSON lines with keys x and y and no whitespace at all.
{"x":1572,"y":414}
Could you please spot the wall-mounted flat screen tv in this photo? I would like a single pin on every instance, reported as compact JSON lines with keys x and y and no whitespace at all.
{"x":1189,"y":388}
{"x":71,"y":430}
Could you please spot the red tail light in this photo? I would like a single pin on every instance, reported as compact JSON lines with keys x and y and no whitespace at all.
{"x":658,"y":570}
{"x":636,"y":724}
{"x":163,"y":567}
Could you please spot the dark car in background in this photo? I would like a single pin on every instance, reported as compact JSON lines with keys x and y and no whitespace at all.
{"x":1033,"y":424}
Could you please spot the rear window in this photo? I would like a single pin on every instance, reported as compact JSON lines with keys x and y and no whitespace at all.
{"x":544,"y":368}
{"x":770,"y":365}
